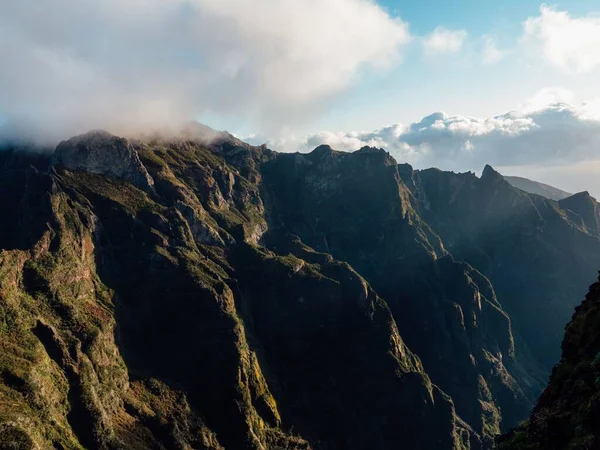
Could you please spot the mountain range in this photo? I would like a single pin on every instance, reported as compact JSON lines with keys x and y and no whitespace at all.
{"x":199,"y":292}
{"x":535,"y":187}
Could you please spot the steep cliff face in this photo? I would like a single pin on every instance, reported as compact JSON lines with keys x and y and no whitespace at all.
{"x":568,"y":413}
{"x":204,"y":293}
{"x":356,"y":207}
{"x":101,"y":153}
{"x":158,"y":318}
{"x":537,"y":253}
{"x":586,"y":211}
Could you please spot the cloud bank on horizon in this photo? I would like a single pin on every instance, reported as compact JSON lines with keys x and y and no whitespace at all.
{"x":556,"y":133}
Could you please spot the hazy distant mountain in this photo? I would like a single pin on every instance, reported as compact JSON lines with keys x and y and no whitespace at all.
{"x":535,"y":187}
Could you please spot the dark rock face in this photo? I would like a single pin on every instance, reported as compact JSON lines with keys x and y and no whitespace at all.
{"x":568,"y":412}
{"x":586,"y":211}
{"x":357,"y":208}
{"x":537,"y":253}
{"x":136,"y":321}
{"x":19,"y":198}
{"x":189,"y":293}
{"x":343,"y":371}
{"x":101,"y":153}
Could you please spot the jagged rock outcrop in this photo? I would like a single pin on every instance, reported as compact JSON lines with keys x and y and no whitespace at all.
{"x":586,"y":209}
{"x":102,"y":153}
{"x":536,"y":252}
{"x":204,"y":293}
{"x":357,"y":208}
{"x":568,"y":413}
{"x":136,"y":321}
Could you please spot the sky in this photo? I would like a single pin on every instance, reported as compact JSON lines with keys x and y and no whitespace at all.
{"x":453,"y":84}
{"x":492,"y":72}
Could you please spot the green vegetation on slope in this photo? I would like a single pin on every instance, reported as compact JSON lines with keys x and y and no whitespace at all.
{"x":568,"y":413}
{"x":157,"y":319}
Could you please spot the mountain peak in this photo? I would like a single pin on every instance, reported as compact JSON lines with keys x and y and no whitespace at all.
{"x":582,"y":194}
{"x":100,"y":152}
{"x":367,"y":149}
{"x":197,"y":130}
{"x":377,"y":154}
{"x":322,"y":151}
{"x":97,"y":134}
{"x":578,"y":200}
{"x":489,"y":173}
{"x":323,"y":148}
{"x":586,"y":207}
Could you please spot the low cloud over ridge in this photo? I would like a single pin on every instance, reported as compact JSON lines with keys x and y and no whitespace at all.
{"x":123,"y":64}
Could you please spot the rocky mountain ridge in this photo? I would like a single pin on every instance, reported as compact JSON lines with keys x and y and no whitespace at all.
{"x":535,"y":187}
{"x":185,"y":293}
{"x":521,"y":242}
{"x":357,"y":208}
{"x":101,"y":153}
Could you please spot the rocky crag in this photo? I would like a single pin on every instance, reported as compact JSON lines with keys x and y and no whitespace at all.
{"x":205,"y":293}
{"x":357,"y":208}
{"x":538,"y":254}
{"x":153,"y":318}
{"x":98,"y":152}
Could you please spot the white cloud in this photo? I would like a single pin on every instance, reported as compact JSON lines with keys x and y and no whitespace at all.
{"x":545,"y":97}
{"x":550,"y":134}
{"x":569,"y":43}
{"x":591,"y":110}
{"x":444,"y":40}
{"x":491,"y":54}
{"x":120,"y":63}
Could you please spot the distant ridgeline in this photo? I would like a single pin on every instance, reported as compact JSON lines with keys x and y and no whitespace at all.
{"x":204,"y":293}
{"x":534,"y":187}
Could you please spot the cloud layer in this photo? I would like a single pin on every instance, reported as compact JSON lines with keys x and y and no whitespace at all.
{"x":554,"y":134}
{"x":74,"y":64}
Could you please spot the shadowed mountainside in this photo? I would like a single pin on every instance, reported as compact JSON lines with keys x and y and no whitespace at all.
{"x":186,"y":293}
{"x":154,"y":319}
{"x":538,"y":254}
{"x":356,"y":207}
{"x":568,"y":412}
